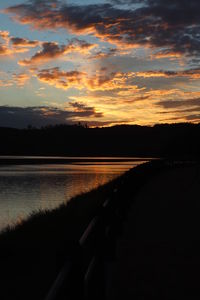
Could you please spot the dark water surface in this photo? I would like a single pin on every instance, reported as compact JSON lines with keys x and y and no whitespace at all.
{"x":28,"y":188}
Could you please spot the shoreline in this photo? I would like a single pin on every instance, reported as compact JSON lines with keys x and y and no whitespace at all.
{"x":31,"y":160}
{"x":43,"y":241}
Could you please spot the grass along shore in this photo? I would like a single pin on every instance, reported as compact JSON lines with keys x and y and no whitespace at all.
{"x":32,"y":253}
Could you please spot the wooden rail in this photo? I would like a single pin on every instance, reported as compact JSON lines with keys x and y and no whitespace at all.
{"x":83,"y":274}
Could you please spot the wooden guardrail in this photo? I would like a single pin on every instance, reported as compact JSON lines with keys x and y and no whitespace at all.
{"x":83,"y":274}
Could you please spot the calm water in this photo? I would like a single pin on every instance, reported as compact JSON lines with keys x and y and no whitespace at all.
{"x":28,"y":188}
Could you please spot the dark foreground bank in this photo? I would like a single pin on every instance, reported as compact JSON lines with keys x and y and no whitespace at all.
{"x":32,"y":254}
{"x":158,"y":253}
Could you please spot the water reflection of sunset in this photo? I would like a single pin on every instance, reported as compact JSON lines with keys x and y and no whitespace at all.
{"x":28,"y":188}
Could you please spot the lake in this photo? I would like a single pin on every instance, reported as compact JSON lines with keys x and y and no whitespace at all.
{"x":26,"y":188}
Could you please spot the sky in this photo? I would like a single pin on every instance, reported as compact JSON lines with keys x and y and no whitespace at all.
{"x":100,"y":62}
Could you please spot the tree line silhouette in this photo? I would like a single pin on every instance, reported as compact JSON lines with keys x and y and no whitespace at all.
{"x":165,"y":140}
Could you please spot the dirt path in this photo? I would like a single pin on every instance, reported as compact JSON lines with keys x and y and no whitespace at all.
{"x":158,"y":254}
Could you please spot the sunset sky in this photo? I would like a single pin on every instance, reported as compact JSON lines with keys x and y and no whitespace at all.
{"x":100,"y":62}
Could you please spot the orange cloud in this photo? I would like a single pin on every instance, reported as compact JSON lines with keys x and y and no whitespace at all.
{"x":4,"y":51}
{"x":4,"y":34}
{"x":52,"y":50}
{"x":169,"y":54}
{"x":105,"y":54}
{"x":49,"y":50}
{"x":5,"y":83}
{"x":18,"y":79}
{"x":21,"y":42}
{"x":102,"y":80}
{"x":99,"y":81}
{"x":190,"y":73}
{"x":5,"y":37}
{"x":11,"y":45}
{"x":81,"y":108}
{"x":61,"y":79}
{"x":4,"y":43}
{"x":21,"y":79}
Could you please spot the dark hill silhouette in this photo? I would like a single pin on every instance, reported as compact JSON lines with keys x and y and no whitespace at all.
{"x":182,"y":140}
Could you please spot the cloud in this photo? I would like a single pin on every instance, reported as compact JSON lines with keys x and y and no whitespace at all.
{"x":61,"y":79}
{"x":168,"y":104}
{"x":4,"y":51}
{"x":78,"y":45}
{"x":10,"y":45}
{"x":52,"y":50}
{"x":4,"y":43}
{"x":107,"y":81}
{"x":126,"y":84}
{"x":178,"y":111}
{"x":21,"y":42}
{"x":5,"y":83}
{"x":4,"y":37}
{"x":169,"y":54}
{"x":101,"y":80}
{"x":49,"y":51}
{"x":190,"y":73}
{"x":21,"y":117}
{"x":80,"y":110}
{"x":194,"y":118}
{"x":173,"y":25}
{"x":20,"y":79}
{"x":105,"y":54}
{"x":181,"y":108}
